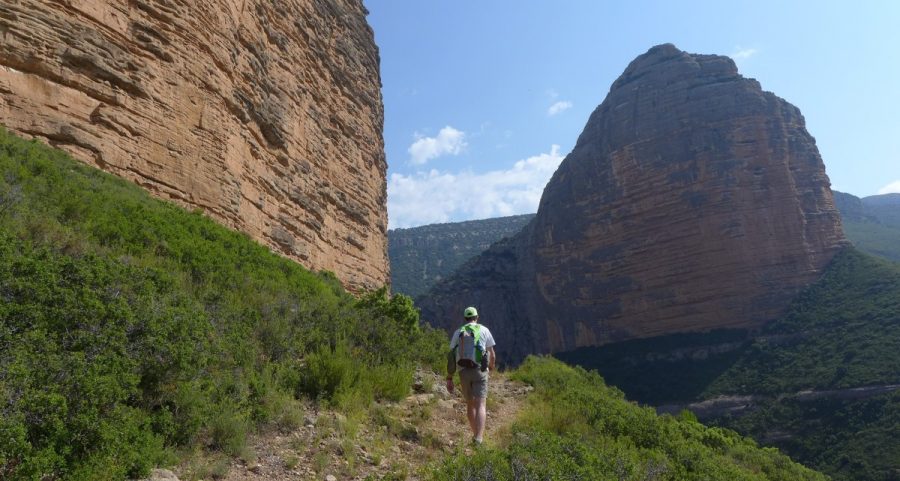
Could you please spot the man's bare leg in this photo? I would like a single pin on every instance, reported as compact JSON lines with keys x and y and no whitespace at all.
{"x":472,"y":413}
{"x":480,"y":418}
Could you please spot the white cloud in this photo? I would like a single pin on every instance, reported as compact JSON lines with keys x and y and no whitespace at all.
{"x":559,"y":107}
{"x":892,"y":188}
{"x":435,"y":196}
{"x":743,"y":53}
{"x":448,"y":141}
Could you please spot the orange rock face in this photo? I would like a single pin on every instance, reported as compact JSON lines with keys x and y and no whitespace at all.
{"x":266,"y":115}
{"x":693,"y":200}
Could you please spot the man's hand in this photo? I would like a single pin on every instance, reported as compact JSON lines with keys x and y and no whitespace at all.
{"x":450,"y":385}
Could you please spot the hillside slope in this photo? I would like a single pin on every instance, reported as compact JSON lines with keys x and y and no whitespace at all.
{"x":422,"y":256}
{"x":872,"y":223}
{"x":575,"y":427}
{"x":822,"y":382}
{"x":132,"y":330}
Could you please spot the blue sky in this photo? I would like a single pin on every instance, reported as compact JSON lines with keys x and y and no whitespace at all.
{"x":483,"y":99}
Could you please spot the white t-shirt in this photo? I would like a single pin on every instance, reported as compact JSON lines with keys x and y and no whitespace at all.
{"x":485,"y":334}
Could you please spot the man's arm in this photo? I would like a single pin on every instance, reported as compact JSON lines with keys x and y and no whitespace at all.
{"x":492,"y":363}
{"x":451,"y":369}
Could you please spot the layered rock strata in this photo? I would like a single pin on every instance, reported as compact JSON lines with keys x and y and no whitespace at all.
{"x":266,"y":115}
{"x":693,"y":200}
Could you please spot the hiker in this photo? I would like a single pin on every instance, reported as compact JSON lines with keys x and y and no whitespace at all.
{"x":472,"y":354}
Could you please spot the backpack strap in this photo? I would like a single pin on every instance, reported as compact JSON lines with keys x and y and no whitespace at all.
{"x":475,"y":329}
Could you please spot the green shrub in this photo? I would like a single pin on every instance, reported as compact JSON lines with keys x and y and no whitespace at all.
{"x":575,"y":427}
{"x":391,"y":382}
{"x":228,"y":430}
{"x":328,"y":370}
{"x":129,"y":326}
{"x":483,"y":465}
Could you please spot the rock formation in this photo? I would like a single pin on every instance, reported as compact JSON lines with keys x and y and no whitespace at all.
{"x":693,"y":200}
{"x":265,"y":115}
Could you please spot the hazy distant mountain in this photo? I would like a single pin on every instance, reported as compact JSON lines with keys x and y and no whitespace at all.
{"x":421,"y":256}
{"x":872,"y":223}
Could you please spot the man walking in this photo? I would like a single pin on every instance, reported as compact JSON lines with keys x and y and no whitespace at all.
{"x":472,"y":354}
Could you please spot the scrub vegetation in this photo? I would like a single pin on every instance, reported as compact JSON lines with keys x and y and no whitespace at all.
{"x":575,"y":427}
{"x":132,"y":329}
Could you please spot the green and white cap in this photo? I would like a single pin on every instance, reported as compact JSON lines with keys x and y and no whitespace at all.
{"x":470,"y":312}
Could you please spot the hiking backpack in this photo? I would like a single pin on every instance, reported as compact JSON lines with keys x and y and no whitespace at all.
{"x":470,"y":350}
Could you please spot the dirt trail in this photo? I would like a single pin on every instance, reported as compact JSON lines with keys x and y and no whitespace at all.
{"x":394,"y":442}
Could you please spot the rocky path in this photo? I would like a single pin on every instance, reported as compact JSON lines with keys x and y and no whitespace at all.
{"x":395,"y":441}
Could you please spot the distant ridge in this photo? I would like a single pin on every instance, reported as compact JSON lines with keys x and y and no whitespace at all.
{"x":872,"y":223}
{"x":422,"y":256}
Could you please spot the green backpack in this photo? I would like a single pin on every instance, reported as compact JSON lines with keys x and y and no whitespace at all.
{"x":470,"y":350}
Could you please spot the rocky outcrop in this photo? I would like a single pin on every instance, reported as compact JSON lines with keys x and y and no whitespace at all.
{"x":265,"y":115}
{"x":693,"y":200}
{"x":422,"y":256}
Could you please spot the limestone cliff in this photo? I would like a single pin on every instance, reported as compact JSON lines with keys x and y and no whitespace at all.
{"x":265,"y":115}
{"x":692,"y":200}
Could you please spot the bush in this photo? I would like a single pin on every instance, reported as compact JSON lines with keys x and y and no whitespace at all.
{"x":575,"y":427}
{"x":391,"y":382}
{"x":129,"y":326}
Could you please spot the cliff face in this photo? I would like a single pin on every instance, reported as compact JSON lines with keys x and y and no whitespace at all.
{"x":422,"y":256}
{"x":266,"y":115}
{"x":693,"y":200}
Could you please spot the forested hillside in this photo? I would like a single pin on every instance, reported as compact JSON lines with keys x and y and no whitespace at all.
{"x":872,"y":223}
{"x":822,"y":383}
{"x":421,"y":256}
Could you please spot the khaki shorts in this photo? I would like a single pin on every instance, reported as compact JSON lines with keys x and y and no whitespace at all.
{"x":474,"y":382}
